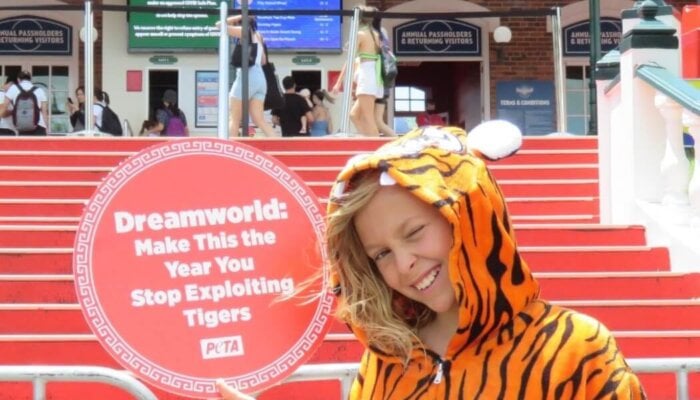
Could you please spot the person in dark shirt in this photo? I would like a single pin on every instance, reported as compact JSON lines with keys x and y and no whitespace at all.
{"x":295,"y":107}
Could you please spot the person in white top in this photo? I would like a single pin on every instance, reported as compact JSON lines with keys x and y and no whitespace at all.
{"x":24,"y":79}
{"x":7,"y":128}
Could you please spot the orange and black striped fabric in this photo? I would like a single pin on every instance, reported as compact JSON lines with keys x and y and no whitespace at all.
{"x":509,"y":344}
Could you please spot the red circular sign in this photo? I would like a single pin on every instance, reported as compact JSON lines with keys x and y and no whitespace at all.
{"x":182,"y":256}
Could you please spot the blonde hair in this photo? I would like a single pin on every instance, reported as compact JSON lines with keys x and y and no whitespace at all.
{"x":390,"y":320}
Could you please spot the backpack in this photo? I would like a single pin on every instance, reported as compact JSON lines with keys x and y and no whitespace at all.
{"x":110,"y":122}
{"x":389,"y":64}
{"x":26,"y":112}
{"x":176,"y":126}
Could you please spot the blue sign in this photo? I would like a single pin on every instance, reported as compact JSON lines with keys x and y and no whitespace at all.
{"x":437,"y":37}
{"x":35,"y":36}
{"x":528,"y":104}
{"x":292,"y":32}
{"x":577,"y":37}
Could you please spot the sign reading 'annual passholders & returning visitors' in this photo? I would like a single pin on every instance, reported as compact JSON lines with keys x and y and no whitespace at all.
{"x":185,"y":258}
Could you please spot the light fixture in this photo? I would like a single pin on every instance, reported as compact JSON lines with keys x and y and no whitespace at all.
{"x":502,"y":34}
{"x":82,"y":34}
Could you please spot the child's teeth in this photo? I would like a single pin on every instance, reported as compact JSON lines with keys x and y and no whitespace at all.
{"x":427,"y":281}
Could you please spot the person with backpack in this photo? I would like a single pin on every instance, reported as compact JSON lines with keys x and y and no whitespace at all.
{"x":29,"y":106}
{"x":106,"y":120}
{"x":172,"y":121}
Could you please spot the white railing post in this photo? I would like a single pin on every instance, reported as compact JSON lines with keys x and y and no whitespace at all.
{"x":692,"y":121}
{"x":674,"y":164}
{"x":222,"y":120}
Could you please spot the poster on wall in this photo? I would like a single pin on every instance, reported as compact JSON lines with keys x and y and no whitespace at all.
{"x":206,"y":99}
{"x":528,"y":104}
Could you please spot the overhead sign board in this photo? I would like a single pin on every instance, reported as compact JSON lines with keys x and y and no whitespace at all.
{"x":35,"y":36}
{"x":577,"y":37}
{"x":437,"y":37}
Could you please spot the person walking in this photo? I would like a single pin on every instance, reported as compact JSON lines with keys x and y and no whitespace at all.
{"x":171,"y":119}
{"x":367,"y":76}
{"x":295,"y":107}
{"x":257,"y":85}
{"x":7,"y":128}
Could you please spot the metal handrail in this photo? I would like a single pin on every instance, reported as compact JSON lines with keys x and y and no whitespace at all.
{"x":127,"y":128}
{"x":39,"y":375}
{"x":343,"y":372}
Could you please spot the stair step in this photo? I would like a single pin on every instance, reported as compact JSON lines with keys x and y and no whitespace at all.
{"x":619,"y":286}
{"x":42,"y":207}
{"x":47,"y":235}
{"x":340,"y":158}
{"x":58,"y":260}
{"x":597,"y":259}
{"x":47,"y":189}
{"x":307,"y":174}
{"x":355,"y":143}
{"x":64,"y":158}
{"x":85,"y":189}
{"x":638,"y":315}
{"x":79,"y":144}
{"x":55,"y":173}
{"x":534,"y":207}
{"x":59,"y":288}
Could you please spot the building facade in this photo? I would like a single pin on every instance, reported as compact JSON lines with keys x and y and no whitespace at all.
{"x":455,"y":62}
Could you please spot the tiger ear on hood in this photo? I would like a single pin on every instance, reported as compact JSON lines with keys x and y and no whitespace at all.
{"x":494,"y":140}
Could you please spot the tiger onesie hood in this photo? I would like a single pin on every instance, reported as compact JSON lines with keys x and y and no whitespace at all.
{"x":509,"y":343}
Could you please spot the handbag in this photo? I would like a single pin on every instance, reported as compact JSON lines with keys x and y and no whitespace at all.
{"x":274,"y":97}
{"x":237,"y":56}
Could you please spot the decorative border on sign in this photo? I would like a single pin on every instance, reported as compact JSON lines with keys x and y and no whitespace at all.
{"x":83,"y":257}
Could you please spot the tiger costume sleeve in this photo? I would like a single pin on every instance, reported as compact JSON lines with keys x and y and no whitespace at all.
{"x":509,"y":344}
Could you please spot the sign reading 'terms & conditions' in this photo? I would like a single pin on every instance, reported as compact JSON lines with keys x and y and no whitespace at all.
{"x":185,"y":256}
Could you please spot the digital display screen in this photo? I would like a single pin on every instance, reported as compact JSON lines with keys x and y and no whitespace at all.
{"x":299,"y":32}
{"x":191,"y":31}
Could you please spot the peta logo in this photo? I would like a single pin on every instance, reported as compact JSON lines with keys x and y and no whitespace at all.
{"x":222,"y":347}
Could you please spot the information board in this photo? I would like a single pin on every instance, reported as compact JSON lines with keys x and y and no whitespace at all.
{"x":299,"y":32}
{"x":528,"y":104}
{"x":192,"y":31}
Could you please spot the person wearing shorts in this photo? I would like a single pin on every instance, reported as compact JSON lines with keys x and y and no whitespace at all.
{"x":369,"y":85}
{"x":257,"y":85}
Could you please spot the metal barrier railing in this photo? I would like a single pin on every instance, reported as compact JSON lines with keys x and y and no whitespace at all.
{"x":39,"y":375}
{"x":681,"y":367}
{"x":342,"y":372}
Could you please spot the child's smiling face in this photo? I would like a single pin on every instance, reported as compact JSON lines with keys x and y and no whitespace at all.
{"x":409,"y":241}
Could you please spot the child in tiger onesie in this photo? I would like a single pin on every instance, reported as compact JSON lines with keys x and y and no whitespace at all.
{"x":429,"y":278}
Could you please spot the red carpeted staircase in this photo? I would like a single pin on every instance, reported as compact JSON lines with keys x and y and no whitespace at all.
{"x":551,"y":186}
